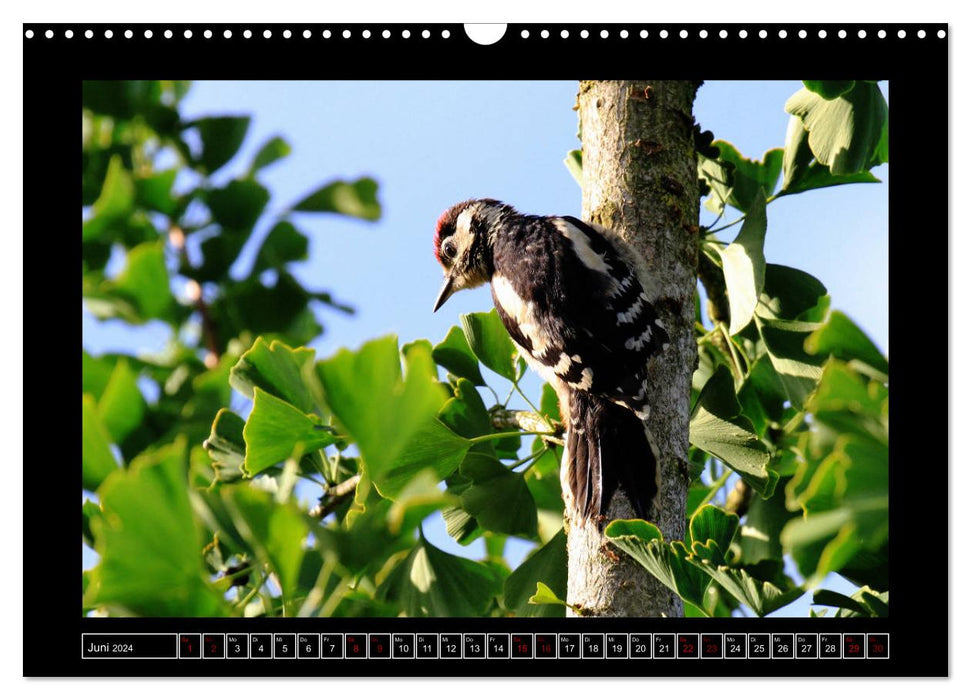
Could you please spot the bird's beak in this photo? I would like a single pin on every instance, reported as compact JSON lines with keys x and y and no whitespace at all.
{"x":445,"y":293}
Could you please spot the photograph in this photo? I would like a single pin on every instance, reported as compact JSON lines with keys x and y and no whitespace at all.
{"x":485,"y":348}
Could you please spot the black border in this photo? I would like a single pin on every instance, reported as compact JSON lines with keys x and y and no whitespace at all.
{"x":917,"y":71}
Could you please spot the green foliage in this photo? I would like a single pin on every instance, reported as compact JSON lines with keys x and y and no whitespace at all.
{"x":719,"y":428}
{"x":667,"y":562}
{"x":574,"y":163}
{"x":150,"y":546}
{"x":406,"y":435}
{"x":743,"y":264}
{"x":497,"y":498}
{"x":545,"y":596}
{"x":865,"y":602}
{"x":841,"y":483}
{"x":455,"y":355}
{"x":736,"y":180}
{"x":193,"y":508}
{"x":431,"y":583}
{"x":270,"y":152}
{"x":688,"y":568}
{"x":490,"y":343}
{"x":847,"y":132}
{"x":838,"y":131}
{"x":357,"y":199}
{"x":276,"y":430}
{"x":792,"y":398}
{"x":545,"y":567}
{"x":146,"y":195}
{"x":97,"y":462}
{"x":221,"y":138}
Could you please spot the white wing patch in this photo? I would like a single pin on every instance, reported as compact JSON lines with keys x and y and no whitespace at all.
{"x":623,"y":285}
{"x":586,"y":380}
{"x":581,"y":245}
{"x":632,"y":313}
{"x":511,"y":302}
{"x":563,"y":364}
{"x":522,"y":312}
{"x":638,"y":342}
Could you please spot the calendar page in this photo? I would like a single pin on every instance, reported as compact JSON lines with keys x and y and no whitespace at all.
{"x":510,"y":350}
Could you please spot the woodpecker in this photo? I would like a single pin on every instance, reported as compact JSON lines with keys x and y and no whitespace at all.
{"x":576,"y":301}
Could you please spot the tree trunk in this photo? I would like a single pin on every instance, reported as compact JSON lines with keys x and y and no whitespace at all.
{"x":640,"y":179}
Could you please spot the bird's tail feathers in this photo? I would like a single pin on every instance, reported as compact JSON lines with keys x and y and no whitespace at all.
{"x":607,"y":447}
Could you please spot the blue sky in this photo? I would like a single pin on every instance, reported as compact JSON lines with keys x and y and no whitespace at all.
{"x":431,"y":144}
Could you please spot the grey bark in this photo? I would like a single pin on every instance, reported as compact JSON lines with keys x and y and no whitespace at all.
{"x":639,"y":179}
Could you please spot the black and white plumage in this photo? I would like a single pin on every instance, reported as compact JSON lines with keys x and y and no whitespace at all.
{"x":575,"y":298}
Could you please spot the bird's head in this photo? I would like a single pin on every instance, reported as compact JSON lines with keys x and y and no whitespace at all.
{"x":463,"y":244}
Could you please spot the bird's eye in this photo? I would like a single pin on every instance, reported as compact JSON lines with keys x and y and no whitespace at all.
{"x":448,"y":250}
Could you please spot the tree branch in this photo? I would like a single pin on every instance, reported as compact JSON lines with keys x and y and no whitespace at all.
{"x":528,"y":422}
{"x":333,"y":496}
{"x":640,"y":179}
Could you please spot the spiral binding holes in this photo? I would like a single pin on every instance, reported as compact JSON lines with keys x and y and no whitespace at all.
{"x":489,"y":34}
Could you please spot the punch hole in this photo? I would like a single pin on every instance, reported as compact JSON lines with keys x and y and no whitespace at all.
{"x":882,"y":34}
{"x":50,"y":33}
{"x":109,"y":33}
{"x":129,"y":34}
{"x":584,"y":34}
{"x":286,"y":34}
{"x":346,"y":34}
{"x":187,"y":33}
{"x":763,"y":34}
{"x":861,"y":33}
{"x":67,"y":34}
{"x":683,"y":33}
{"x":207,"y":34}
{"x":29,"y":34}
{"x":742,"y":34}
{"x":703,"y":33}
{"x":604,"y":33}
{"x":87,"y":35}
{"x":545,"y":33}
{"x":623,"y":34}
{"x":446,"y":34}
{"x":643,"y":34}
{"x":485,"y":34}
{"x":247,"y":34}
{"x":663,"y":34}
{"x":723,"y":34}
{"x":822,"y":33}
{"x":921,"y":34}
{"x":306,"y":33}
{"x":941,"y":34}
{"x":168,"y":34}
{"x":425,"y":34}
{"x":803,"y":34}
{"x":783,"y":34}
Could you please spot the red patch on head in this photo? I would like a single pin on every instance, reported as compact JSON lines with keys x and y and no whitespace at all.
{"x":438,"y":233}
